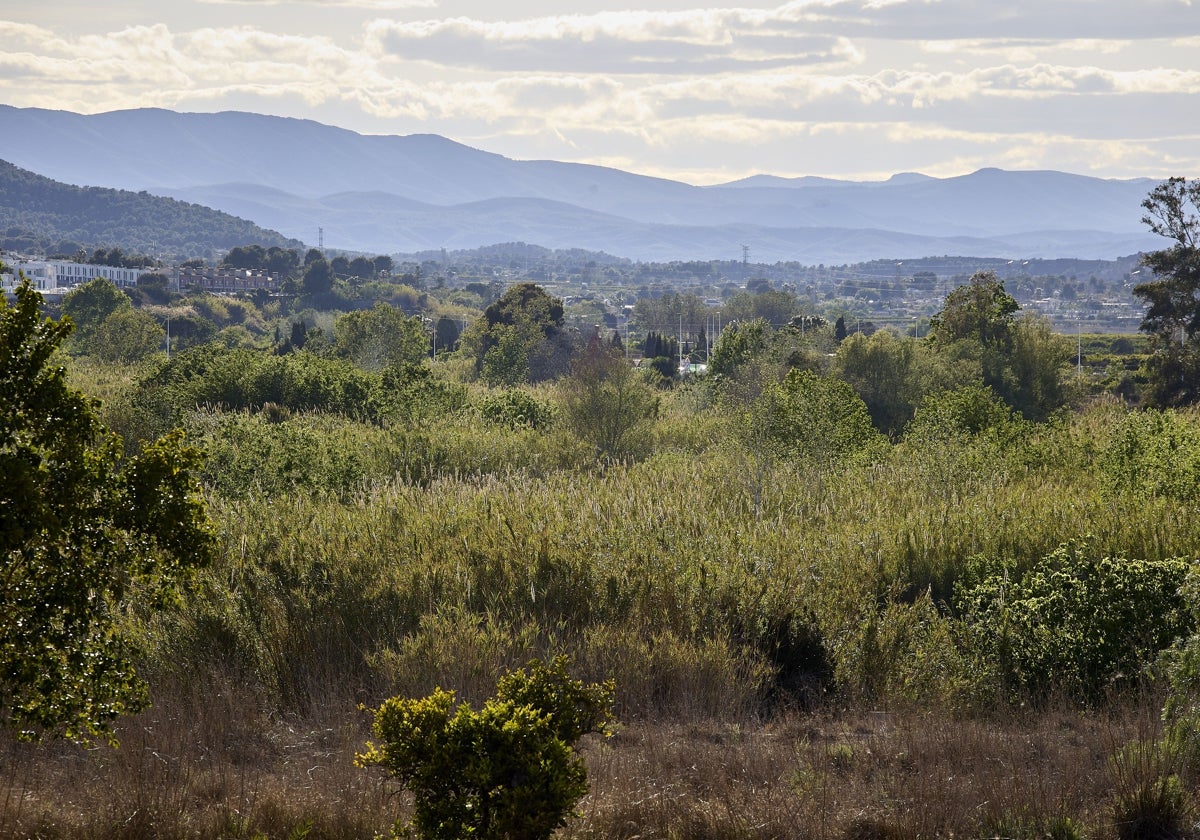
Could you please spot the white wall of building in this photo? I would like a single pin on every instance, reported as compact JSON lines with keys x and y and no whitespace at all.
{"x":58,"y":275}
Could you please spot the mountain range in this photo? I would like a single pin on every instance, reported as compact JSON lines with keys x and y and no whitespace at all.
{"x":403,"y":194}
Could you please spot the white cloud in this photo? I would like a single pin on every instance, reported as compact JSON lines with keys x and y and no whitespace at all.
{"x":987,"y":19}
{"x":632,"y":42}
{"x":822,"y":87}
{"x":378,"y":5}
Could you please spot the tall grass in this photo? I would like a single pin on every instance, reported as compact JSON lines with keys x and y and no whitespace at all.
{"x":724,"y":589}
{"x":823,"y":578}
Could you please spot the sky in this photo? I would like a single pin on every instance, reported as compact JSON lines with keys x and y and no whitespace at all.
{"x":682,"y":89}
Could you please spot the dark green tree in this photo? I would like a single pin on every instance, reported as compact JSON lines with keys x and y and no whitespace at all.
{"x":1021,"y":359}
{"x":520,"y":337}
{"x":246,"y":256}
{"x":362,"y":268}
{"x":318,"y":277}
{"x":445,"y":334}
{"x":85,"y":537}
{"x":1172,"y":316}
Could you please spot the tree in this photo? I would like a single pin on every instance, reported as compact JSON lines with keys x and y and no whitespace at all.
{"x":520,"y":337}
{"x":1021,"y":359}
{"x":507,"y":771}
{"x":608,"y":403}
{"x":1038,"y":364}
{"x":362,"y":268}
{"x":246,"y":256}
{"x":890,"y":374}
{"x":127,"y":335}
{"x":980,"y":310}
{"x":445,"y":334}
{"x":775,"y":307}
{"x":381,"y":336}
{"x":839,"y":329}
{"x":85,"y":537}
{"x":318,"y":277}
{"x":812,"y":418}
{"x":506,"y":361}
{"x":155,"y":286}
{"x":88,"y":306}
{"x":1172,"y":316}
{"x":737,"y":345}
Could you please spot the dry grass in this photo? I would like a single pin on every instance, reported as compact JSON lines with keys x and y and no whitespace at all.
{"x":217,"y":767}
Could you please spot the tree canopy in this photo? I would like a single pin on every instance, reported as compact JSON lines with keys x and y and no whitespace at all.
{"x":1172,"y":317}
{"x":85,"y":536}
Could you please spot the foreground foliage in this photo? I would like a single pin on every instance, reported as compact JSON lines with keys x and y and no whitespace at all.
{"x":508,"y":770}
{"x":84,"y":537}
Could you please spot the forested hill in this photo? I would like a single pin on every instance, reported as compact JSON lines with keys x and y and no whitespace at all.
{"x":39,"y":215}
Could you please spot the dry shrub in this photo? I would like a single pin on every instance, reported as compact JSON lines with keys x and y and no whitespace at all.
{"x":661,"y":676}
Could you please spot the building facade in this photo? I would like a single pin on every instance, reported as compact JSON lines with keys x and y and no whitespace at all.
{"x":224,"y":280}
{"x":59,"y":276}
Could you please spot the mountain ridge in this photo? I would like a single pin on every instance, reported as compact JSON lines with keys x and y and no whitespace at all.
{"x":389,"y":193}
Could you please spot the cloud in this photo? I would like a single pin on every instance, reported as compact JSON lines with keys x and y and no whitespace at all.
{"x":824,"y":87}
{"x":806,"y":32}
{"x":712,"y":40}
{"x":378,"y":5}
{"x":970,"y":19}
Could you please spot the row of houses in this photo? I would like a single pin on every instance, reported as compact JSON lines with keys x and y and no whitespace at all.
{"x":56,"y":277}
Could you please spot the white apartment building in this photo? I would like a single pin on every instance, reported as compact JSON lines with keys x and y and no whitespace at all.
{"x":57,"y":276}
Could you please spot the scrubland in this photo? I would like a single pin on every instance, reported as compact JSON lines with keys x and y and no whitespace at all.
{"x":970,"y":629}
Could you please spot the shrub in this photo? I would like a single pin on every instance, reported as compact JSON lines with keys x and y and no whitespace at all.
{"x":815,"y":419}
{"x":508,"y":770}
{"x":1154,"y":454}
{"x":1150,"y":800}
{"x":516,"y":408}
{"x":1073,"y":622}
{"x":411,"y":395}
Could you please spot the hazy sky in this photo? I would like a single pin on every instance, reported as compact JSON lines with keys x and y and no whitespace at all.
{"x":677,"y":88}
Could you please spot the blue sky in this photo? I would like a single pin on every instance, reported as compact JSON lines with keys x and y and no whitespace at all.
{"x":674,"y":88}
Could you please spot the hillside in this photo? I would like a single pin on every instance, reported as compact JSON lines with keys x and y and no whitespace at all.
{"x":38,"y":214}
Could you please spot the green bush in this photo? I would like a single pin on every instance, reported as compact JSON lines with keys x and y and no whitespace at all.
{"x":245,"y":378}
{"x":508,"y":770}
{"x":516,"y":408}
{"x":814,"y":419}
{"x":1073,"y":622}
{"x":1154,"y":454}
{"x":411,"y":395}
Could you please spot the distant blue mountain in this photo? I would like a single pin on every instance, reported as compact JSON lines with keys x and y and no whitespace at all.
{"x":393,"y":194}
